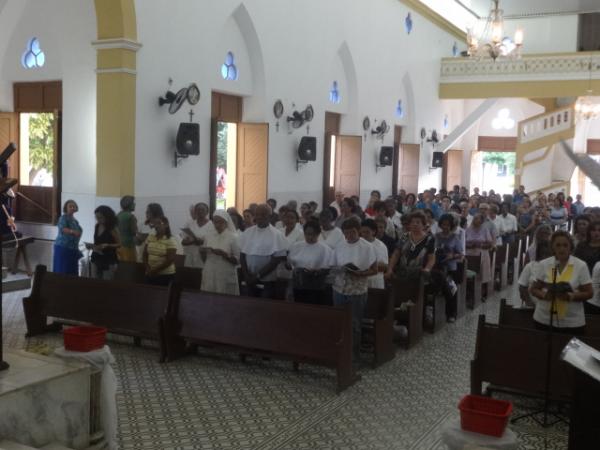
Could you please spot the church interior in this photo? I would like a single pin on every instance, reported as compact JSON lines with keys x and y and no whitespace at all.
{"x":235,"y":137}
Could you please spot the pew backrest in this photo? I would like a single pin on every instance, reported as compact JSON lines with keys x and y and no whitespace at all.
{"x":124,"y":308}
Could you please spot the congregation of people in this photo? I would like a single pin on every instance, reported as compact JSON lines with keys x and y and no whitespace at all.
{"x":332,"y":256}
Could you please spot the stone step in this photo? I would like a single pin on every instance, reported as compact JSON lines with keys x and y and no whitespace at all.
{"x":15,"y":282}
{"x":54,"y":447}
{"x":11,"y":445}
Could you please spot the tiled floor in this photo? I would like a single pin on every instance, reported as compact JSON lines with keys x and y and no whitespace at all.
{"x":214,"y":401}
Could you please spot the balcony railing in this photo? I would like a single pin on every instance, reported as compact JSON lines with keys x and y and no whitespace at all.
{"x":546,"y":124}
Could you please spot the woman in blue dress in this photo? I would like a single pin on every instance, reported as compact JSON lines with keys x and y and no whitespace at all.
{"x":66,"y":245}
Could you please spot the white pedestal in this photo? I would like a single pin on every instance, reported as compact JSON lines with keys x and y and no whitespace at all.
{"x":44,"y":400}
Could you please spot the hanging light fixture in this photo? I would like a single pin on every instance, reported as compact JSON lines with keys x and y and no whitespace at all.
{"x":588,"y":107}
{"x":490,"y":40}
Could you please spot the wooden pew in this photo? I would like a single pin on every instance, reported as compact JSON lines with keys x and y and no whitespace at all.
{"x":379,"y":323}
{"x":474,"y":266}
{"x":514,"y":258}
{"x":437,"y":304}
{"x":523,"y":318}
{"x":299,"y":332}
{"x":461,"y":295}
{"x":514,"y":359}
{"x":123,"y":308}
{"x":190,"y":278}
{"x":410,"y":316}
{"x":501,"y":267}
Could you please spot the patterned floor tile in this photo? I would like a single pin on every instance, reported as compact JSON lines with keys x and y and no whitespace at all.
{"x":215,"y":402}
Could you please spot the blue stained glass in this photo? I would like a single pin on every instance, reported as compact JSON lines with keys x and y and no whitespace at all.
{"x":399,"y":109}
{"x":34,"y":45}
{"x":40,"y":59}
{"x":229,"y":70}
{"x":334,"y":94}
{"x":33,"y":56}
{"x":408,"y":23}
{"x":446,"y":121}
{"x":455,"y":49}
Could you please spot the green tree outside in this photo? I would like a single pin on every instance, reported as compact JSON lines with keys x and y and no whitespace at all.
{"x":41,"y":143}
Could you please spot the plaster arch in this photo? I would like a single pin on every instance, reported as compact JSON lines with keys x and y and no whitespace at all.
{"x":409,"y":109}
{"x":254,"y":106}
{"x":345,"y":55}
{"x":116,"y":19}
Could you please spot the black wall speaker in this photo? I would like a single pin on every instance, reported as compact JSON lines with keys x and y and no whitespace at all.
{"x":438,"y":160}
{"x":386,"y":156}
{"x":307,"y":150}
{"x":188,"y":139}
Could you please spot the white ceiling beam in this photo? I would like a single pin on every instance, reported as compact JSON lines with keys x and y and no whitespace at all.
{"x":466,"y":124}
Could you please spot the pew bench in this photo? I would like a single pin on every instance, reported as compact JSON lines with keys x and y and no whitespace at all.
{"x":514,"y":360}
{"x":123,"y":308}
{"x":461,"y":295}
{"x":409,"y":299}
{"x":190,"y":278}
{"x":473,"y":281}
{"x":500,"y":268}
{"x":378,"y":325}
{"x":523,"y":318}
{"x":302,"y":333}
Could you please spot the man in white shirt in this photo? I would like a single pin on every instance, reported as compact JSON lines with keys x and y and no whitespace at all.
{"x":262,"y":248}
{"x":508,"y":224}
{"x":337,"y":204}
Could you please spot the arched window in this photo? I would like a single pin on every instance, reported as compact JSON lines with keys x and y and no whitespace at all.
{"x":229,"y":70}
{"x":399,"y":109}
{"x":34,"y":56}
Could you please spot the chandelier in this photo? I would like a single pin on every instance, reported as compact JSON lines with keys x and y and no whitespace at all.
{"x":490,"y":41}
{"x":588,"y":108}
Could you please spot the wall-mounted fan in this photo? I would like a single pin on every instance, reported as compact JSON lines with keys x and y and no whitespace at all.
{"x":381,"y":130}
{"x":366,"y":125}
{"x":433,"y":138}
{"x":297,"y":119}
{"x":175,"y":101}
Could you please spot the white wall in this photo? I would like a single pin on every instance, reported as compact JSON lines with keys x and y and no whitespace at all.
{"x":551,"y":34}
{"x":70,"y":57}
{"x":292,"y":51}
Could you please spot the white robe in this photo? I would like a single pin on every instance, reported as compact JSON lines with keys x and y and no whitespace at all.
{"x":219,"y":275}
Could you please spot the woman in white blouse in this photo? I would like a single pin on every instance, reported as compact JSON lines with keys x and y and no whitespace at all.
{"x":572,"y":287}
{"x":310,"y":260}
{"x":221,"y":253}
{"x":592,"y":306}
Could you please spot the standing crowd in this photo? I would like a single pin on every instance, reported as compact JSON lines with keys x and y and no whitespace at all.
{"x":333,"y":256}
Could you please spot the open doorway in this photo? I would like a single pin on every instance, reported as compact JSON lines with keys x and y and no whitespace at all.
{"x":493,"y":165}
{"x":38,"y":109}
{"x":239,"y":156}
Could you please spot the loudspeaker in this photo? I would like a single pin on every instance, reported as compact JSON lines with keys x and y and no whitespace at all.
{"x":438,"y":160}
{"x":188,"y":139}
{"x":307,"y":150}
{"x":386,"y":156}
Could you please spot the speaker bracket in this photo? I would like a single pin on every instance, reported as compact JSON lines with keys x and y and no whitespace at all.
{"x":178,"y":157}
{"x":300,"y":163}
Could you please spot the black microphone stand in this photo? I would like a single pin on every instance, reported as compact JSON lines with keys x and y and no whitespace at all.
{"x":545,"y":423}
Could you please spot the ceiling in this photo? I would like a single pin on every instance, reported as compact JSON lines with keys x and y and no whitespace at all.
{"x":521,"y":8}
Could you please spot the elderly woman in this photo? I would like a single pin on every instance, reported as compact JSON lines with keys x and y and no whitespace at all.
{"x":478,"y":241}
{"x":310,"y":261}
{"x":415,"y":251}
{"x":66,"y":245}
{"x":562,"y":285}
{"x":262,"y":248}
{"x":348,"y":210}
{"x":221,"y":253}
{"x":542,"y":235}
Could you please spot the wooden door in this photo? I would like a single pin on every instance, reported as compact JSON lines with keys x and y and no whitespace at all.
{"x":9,"y":132}
{"x":252,"y":164}
{"x":409,"y":168}
{"x":452,"y":170}
{"x":348,"y":153}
